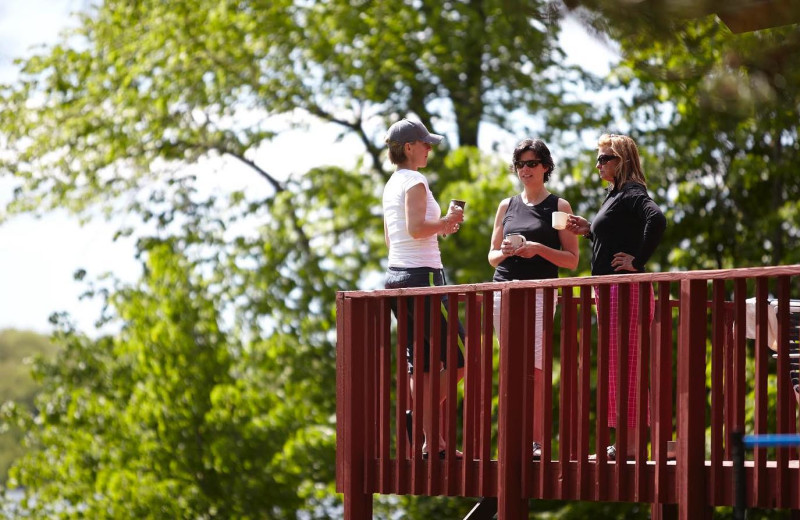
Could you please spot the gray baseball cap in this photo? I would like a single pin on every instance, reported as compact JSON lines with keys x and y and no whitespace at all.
{"x":407,"y":131}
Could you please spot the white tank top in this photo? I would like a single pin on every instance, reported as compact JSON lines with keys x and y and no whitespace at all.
{"x":405,"y":251}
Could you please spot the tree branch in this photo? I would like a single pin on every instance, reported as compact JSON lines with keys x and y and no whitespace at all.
{"x":357,"y":127}
{"x":272,"y":180}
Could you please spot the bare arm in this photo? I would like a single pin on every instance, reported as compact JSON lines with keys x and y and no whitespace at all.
{"x":416,"y":224}
{"x":498,"y":253}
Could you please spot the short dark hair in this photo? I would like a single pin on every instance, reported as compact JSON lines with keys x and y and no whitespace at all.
{"x":541,"y":150}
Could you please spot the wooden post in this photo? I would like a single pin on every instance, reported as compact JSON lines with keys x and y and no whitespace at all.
{"x":567,"y":408}
{"x":661,"y":359}
{"x":340,"y":394}
{"x":511,"y":504}
{"x":759,"y":479}
{"x":785,"y":408}
{"x":692,"y":504}
{"x":357,"y":503}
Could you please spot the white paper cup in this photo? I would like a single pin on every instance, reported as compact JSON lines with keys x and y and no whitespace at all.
{"x":560,"y":219}
{"x":516,"y":240}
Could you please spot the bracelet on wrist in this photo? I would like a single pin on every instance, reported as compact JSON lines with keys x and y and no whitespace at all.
{"x":589,"y":233}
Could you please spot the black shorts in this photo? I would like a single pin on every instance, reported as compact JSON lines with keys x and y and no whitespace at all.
{"x":402,"y":277}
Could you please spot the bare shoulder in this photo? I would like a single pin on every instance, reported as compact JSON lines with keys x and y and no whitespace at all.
{"x":563,"y":205}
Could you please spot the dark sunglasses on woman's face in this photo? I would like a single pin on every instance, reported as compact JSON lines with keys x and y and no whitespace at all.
{"x":602,"y":159}
{"x":530,"y":164}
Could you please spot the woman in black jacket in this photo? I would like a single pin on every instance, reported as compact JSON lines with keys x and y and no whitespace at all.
{"x":624,"y":235}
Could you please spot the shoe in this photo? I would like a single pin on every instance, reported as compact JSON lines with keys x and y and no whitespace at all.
{"x":611,"y":454}
{"x":409,"y":430}
{"x":425,"y":455}
{"x":536,"y":451}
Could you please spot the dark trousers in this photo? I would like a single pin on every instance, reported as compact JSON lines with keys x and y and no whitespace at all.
{"x":403,"y":277}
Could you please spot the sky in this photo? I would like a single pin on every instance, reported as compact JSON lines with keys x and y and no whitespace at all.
{"x":39,"y":256}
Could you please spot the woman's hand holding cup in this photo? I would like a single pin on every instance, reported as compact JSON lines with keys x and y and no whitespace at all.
{"x":511,"y":243}
{"x":454,"y":217}
{"x":577,"y":225}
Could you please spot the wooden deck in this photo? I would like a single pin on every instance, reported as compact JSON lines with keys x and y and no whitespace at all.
{"x":706,"y":379}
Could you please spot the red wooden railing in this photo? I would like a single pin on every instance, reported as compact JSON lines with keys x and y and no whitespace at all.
{"x":699,"y":327}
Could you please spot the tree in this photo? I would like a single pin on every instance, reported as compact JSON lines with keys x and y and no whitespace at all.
{"x":114,"y":117}
{"x":718,"y":116}
{"x":173,"y":416}
{"x":140,"y":89}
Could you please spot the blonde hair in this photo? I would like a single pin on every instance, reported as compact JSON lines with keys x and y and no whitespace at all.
{"x":629,"y":167}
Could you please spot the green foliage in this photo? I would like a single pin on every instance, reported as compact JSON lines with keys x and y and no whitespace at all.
{"x":726,"y":513}
{"x":173,"y":417}
{"x":141,"y":89}
{"x":18,"y":349}
{"x":602,"y":510}
{"x":718,"y":113}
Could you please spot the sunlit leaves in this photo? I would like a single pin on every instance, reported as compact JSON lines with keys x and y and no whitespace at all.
{"x":725,"y":147}
{"x":174,"y":418}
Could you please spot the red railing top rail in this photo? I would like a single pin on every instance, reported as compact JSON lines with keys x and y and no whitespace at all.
{"x":578,"y":281}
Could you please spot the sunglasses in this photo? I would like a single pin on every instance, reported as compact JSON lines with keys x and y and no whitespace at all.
{"x":603,"y":159}
{"x":530,"y":164}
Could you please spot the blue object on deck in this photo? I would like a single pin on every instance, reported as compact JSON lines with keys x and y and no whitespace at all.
{"x":771,"y":439}
{"x":741,"y":442}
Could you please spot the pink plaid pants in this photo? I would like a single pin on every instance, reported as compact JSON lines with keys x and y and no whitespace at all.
{"x":633,"y":352}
